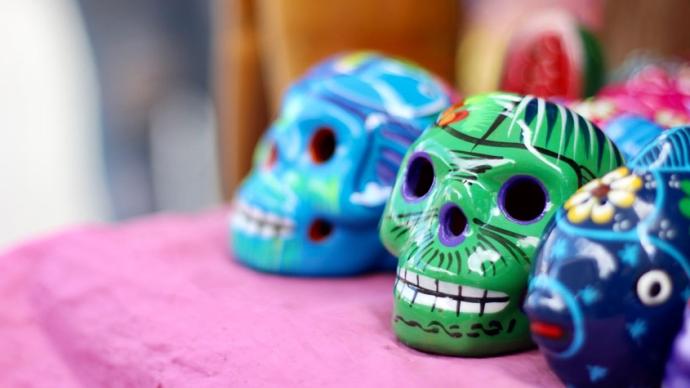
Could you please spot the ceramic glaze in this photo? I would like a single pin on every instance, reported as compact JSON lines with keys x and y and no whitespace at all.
{"x":678,"y":366}
{"x":632,"y":133}
{"x":324,"y":169}
{"x":611,"y":276}
{"x":468,"y":209}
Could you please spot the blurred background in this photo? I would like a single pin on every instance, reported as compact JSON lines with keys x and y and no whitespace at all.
{"x":114,"y":109}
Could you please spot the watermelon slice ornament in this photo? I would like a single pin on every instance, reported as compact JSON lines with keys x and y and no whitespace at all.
{"x":551,"y":55}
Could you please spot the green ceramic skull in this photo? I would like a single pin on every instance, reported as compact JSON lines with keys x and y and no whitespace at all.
{"x":468,"y":209}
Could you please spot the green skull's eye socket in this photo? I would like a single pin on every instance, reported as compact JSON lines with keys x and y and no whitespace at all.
{"x":523,"y":199}
{"x":322,"y":145}
{"x":419,"y":178}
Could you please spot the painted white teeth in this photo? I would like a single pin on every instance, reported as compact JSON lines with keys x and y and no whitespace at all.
{"x":491,"y":308}
{"x":448,"y":288}
{"x":472,"y":292}
{"x":425,"y":299}
{"x":252,"y":228}
{"x":472,"y":308}
{"x":407,"y":293}
{"x":444,"y":296}
{"x":260,"y":223}
{"x":426,"y":283}
{"x":446,"y":304}
{"x":266,"y":231}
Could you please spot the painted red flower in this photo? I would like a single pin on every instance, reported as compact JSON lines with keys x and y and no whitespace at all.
{"x":453,"y":114}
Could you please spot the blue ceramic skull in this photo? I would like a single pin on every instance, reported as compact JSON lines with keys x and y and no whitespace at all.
{"x":631,"y":133}
{"x":324,"y":169}
{"x":611,"y":277}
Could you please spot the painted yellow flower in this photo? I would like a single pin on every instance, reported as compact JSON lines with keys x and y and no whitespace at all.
{"x":599,"y":198}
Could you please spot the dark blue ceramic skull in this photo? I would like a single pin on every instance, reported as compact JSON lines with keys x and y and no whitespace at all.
{"x":611,"y":277}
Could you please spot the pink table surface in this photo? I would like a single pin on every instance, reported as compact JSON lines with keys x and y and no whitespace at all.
{"x":158,"y":302}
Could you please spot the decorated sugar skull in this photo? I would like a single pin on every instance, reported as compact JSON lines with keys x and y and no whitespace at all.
{"x":678,"y":366}
{"x":611,"y":278}
{"x":467,"y":212}
{"x":654,"y":89}
{"x":324,"y":169}
{"x":631,"y":133}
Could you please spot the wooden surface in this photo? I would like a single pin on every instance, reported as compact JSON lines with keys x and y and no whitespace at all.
{"x":660,"y":27}
{"x":240,"y":95}
{"x":295,"y":34}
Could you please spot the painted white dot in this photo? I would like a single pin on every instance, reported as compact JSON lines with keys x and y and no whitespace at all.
{"x":654,"y":287}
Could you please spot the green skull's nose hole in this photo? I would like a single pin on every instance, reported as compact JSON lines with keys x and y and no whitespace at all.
{"x":319,"y":230}
{"x":419,"y":177}
{"x":322,"y":145}
{"x":523,"y":199}
{"x":452,"y":225}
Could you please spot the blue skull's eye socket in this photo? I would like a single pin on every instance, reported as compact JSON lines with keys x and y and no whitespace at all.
{"x":322,"y":145}
{"x":419,"y":178}
{"x":272,"y":157}
{"x":523,"y":199}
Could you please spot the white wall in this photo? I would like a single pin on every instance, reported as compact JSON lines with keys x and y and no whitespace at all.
{"x":50,"y":151}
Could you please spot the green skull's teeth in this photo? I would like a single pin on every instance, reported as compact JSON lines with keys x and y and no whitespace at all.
{"x":256,"y":222}
{"x":448,"y":288}
{"x":472,"y":292}
{"x":491,"y":308}
{"x":426,"y":282}
{"x":422,"y":290}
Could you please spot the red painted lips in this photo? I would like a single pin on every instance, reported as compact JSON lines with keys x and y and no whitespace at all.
{"x":547,"y":330}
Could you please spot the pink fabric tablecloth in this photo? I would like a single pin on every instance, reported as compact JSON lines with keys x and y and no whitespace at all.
{"x":159,"y":303}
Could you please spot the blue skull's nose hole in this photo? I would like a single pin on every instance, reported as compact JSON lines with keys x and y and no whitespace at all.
{"x":319,"y":230}
{"x":452,"y":225}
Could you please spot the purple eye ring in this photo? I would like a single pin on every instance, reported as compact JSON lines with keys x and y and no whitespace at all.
{"x":452,"y":225}
{"x":419,"y":177}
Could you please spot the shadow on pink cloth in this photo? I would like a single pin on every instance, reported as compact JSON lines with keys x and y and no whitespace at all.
{"x":159,"y":303}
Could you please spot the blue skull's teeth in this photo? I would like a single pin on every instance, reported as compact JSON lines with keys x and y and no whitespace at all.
{"x":251,"y":220}
{"x":422,"y":290}
{"x":251,"y":227}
